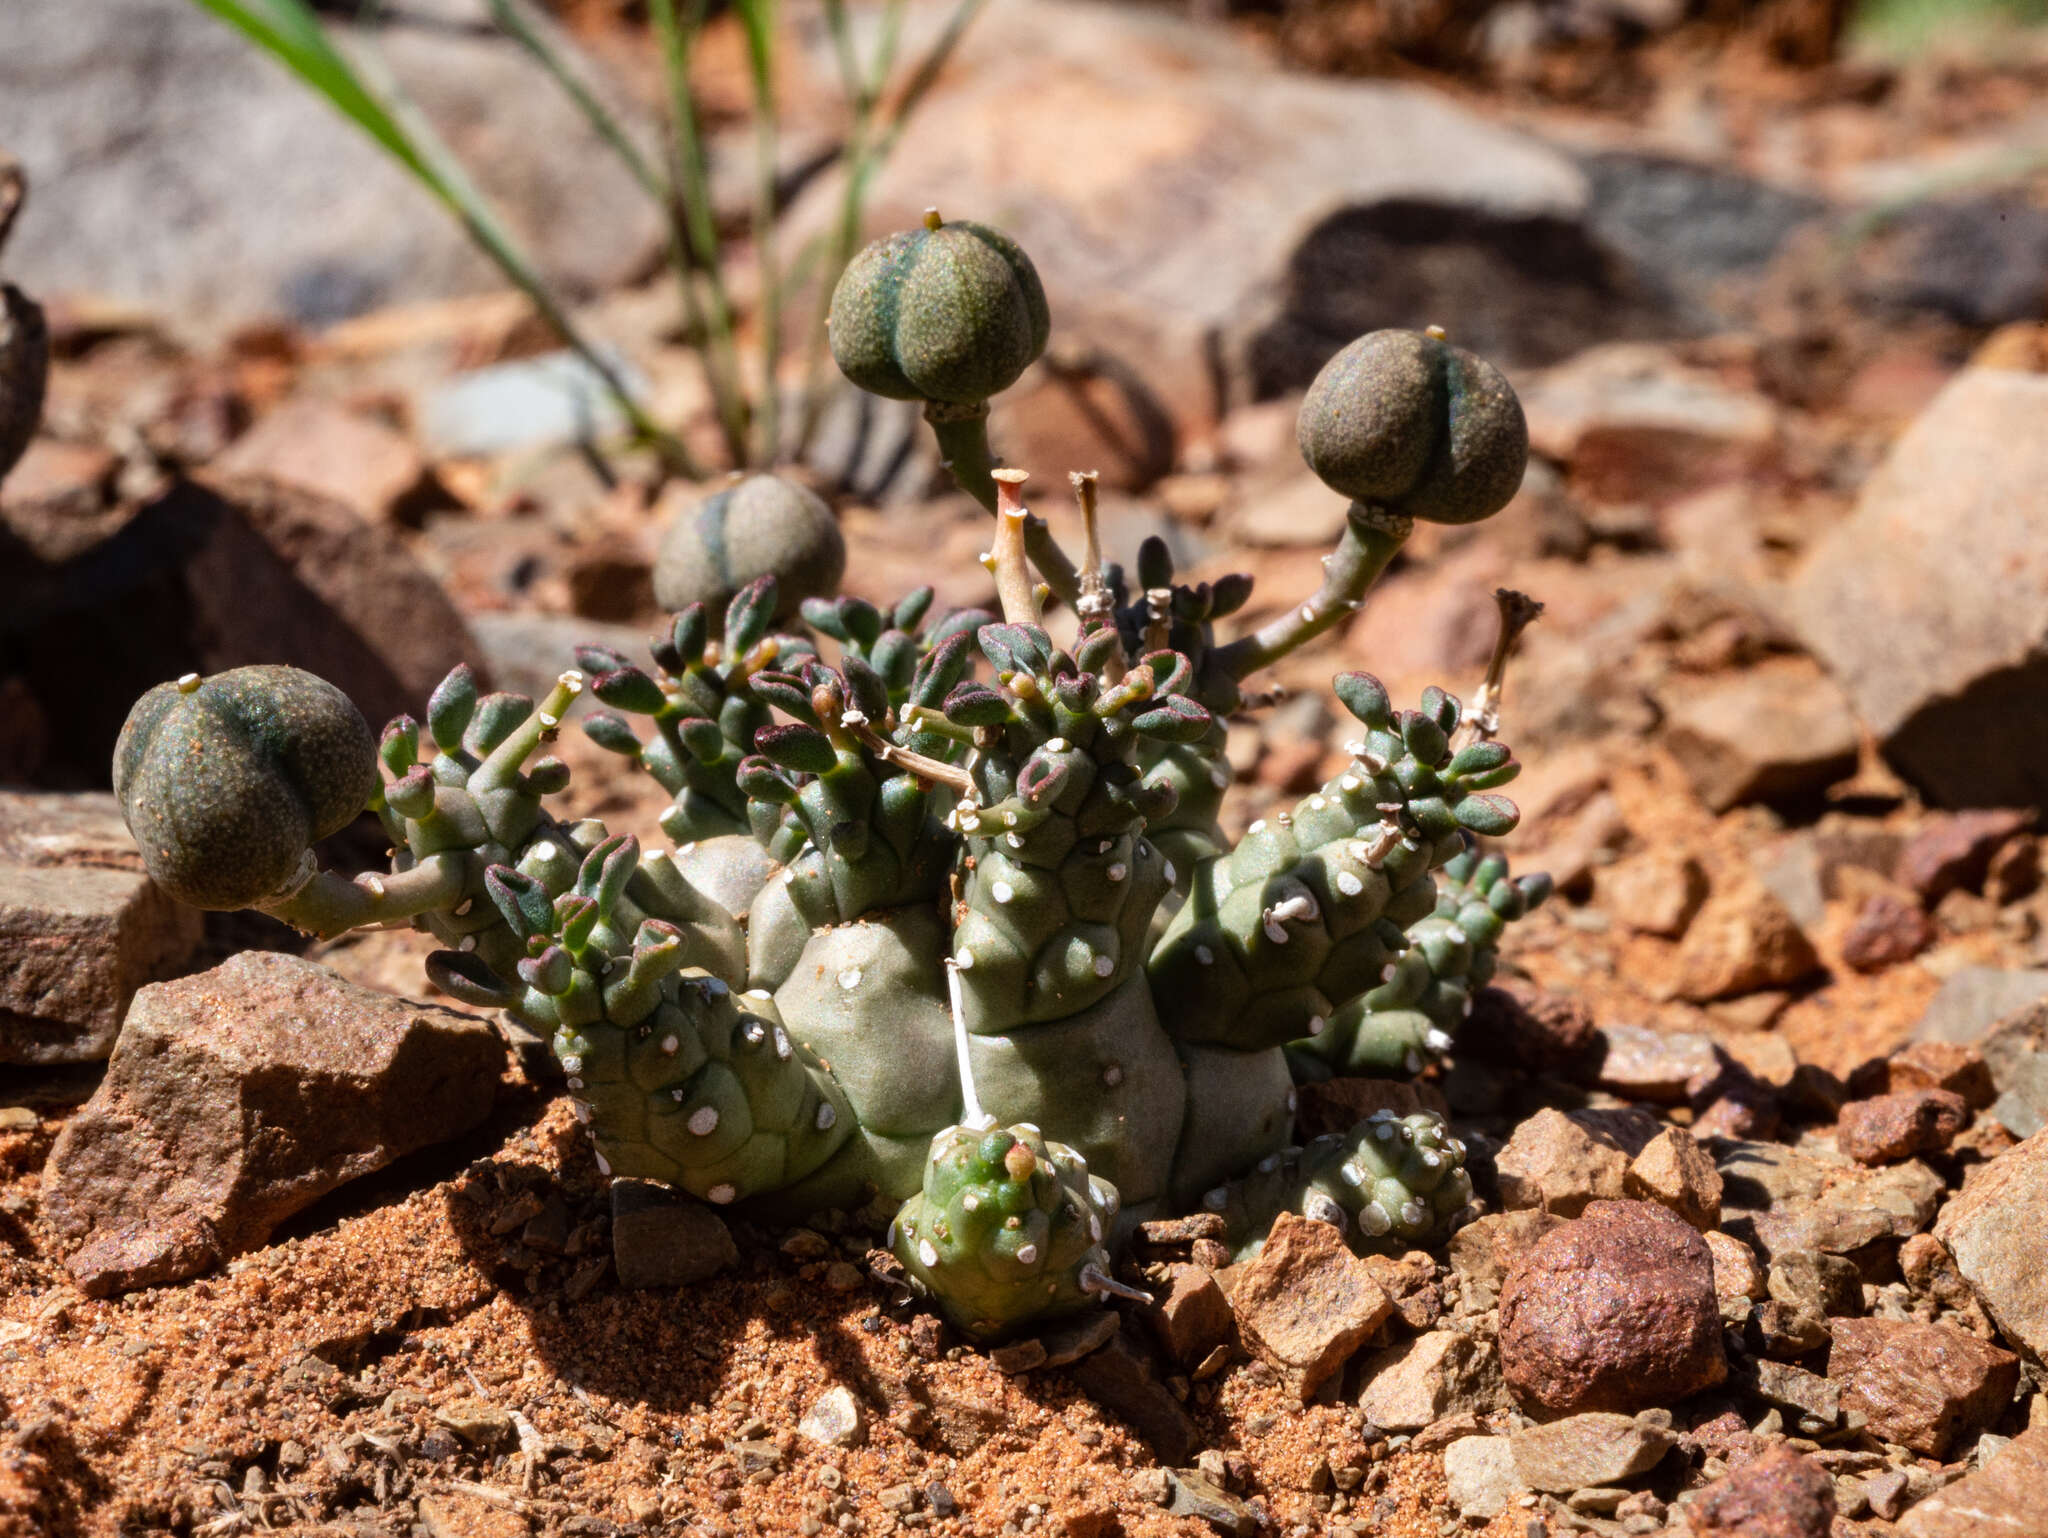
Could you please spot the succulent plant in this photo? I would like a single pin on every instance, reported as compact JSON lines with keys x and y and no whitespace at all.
{"x":928,"y":862}
{"x":24,"y":338}
{"x":1391,"y":1183}
{"x":758,"y":526}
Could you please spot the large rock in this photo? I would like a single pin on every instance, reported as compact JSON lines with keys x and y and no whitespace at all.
{"x":1993,"y":1228}
{"x":1306,"y":1303}
{"x":81,"y":926}
{"x":1284,"y":213}
{"x":1777,"y":1495}
{"x":1769,"y":734}
{"x":214,"y":575}
{"x":1615,"y":1311}
{"x":240,"y":1096}
{"x":190,"y":172}
{"x":1596,"y":1448}
{"x":1777,"y":1198}
{"x":1930,"y":602}
{"x":2006,"y":1498}
{"x":1923,"y":1386}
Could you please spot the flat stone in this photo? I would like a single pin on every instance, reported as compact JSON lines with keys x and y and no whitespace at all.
{"x":1953,"y":852}
{"x":1437,"y":1374}
{"x":1306,"y":1303}
{"x":2006,"y":1498}
{"x":1993,"y":1229}
{"x":1596,"y":1448}
{"x":1676,"y":1173}
{"x":1961,"y":1070}
{"x":664,"y":1238}
{"x":1776,"y":1197}
{"x":1767,"y":734}
{"x":834,"y":1419}
{"x":477,"y":1422}
{"x":81,"y":927}
{"x":1779,"y":1494}
{"x":1818,"y":1283}
{"x":355,"y":460}
{"x":1971,"y":1002}
{"x":1941,"y":643}
{"x":1923,"y":1386}
{"x":2015,"y":1053}
{"x":1077,"y":1335}
{"x":242,"y":1095}
{"x":1642,"y":1064}
{"x":1481,"y":1477}
{"x":1614,"y":1311}
{"x":1816,"y":1402}
{"x":1887,"y":1128}
{"x":1654,"y":892}
{"x":1201,"y":1499}
{"x":1743,"y":941}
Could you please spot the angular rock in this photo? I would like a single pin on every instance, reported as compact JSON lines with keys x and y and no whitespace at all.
{"x":1318,"y":182}
{"x":1739,"y":1278}
{"x":1887,"y":1128}
{"x":1517,"y":1021}
{"x":217,"y":574}
{"x":1437,"y":1374}
{"x":1887,"y":930}
{"x":1815,"y":1402}
{"x":1777,"y":1198}
{"x":1993,"y":1229}
{"x":1481,"y":1477}
{"x":238,"y":1097}
{"x":1974,"y":1000}
{"x":1644,"y":1064}
{"x":1953,"y":852}
{"x":1769,"y":734}
{"x":262,"y":201}
{"x":1743,"y":940}
{"x":1821,"y":1285}
{"x":1595,"y":1448}
{"x":1656,"y":892}
{"x":1923,"y":1386}
{"x":370,"y":468}
{"x":1483,"y":1251}
{"x":81,"y":927}
{"x":1117,"y":1378}
{"x":1779,"y":1494}
{"x":2015,"y":1053}
{"x":2006,"y":1498}
{"x":664,"y":1238}
{"x":1192,"y":1317}
{"x":1676,"y":1173}
{"x":1201,"y":1499}
{"x":1614,"y":1311}
{"x":1555,"y":1163}
{"x":834,"y":1419}
{"x":1948,"y":1066}
{"x":1306,"y":1303}
{"x":1942,"y":643}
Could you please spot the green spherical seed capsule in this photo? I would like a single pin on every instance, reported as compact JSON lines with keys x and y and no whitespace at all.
{"x":759,"y":526}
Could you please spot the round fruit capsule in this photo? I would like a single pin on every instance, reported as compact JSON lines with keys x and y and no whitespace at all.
{"x":759,"y":526}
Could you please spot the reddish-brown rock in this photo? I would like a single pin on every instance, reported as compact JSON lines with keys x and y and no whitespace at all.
{"x":1942,"y":1065}
{"x":2006,"y":1498}
{"x":1887,"y":1128}
{"x":239,"y":1096}
{"x":1887,"y":930}
{"x":1777,"y":1495}
{"x":1743,"y":940}
{"x":1191,"y":1317}
{"x":1306,"y":1303}
{"x":1924,"y":1386}
{"x":1954,"y":852}
{"x":1676,"y":1173}
{"x":1554,"y":1162}
{"x":1616,"y":1311}
{"x":1521,"y":1022}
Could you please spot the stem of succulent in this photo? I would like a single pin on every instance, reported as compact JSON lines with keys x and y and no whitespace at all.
{"x":962,"y":432}
{"x":501,"y":769}
{"x":1517,"y":612}
{"x":328,"y":904}
{"x":1372,"y":537}
{"x":1014,"y":587}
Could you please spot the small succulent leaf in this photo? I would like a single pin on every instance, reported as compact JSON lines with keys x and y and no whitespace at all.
{"x":863,"y":621}
{"x":788,"y":693}
{"x":822,"y":615}
{"x":606,"y":870}
{"x":865,"y":690}
{"x":1365,"y":697}
{"x":601,"y":659}
{"x":795,"y":746}
{"x":895,"y":659}
{"x":608,"y":729}
{"x":399,"y":747}
{"x":760,"y":780}
{"x":1229,"y":593}
{"x":749,"y":615}
{"x":1155,"y":563}
{"x":628,"y":688}
{"x":976,"y":704}
{"x":412,"y":793}
{"x":965,"y":622}
{"x":547,"y":776}
{"x":1098,"y":649}
{"x":1488,"y":816}
{"x":575,"y":917}
{"x":463,"y":975}
{"x":911,"y":608}
{"x":1536,"y":888}
{"x":1479,"y":758}
{"x":689,"y":634}
{"x":1171,"y":672}
{"x":1044,"y":777}
{"x":550,"y":972}
{"x":521,"y":901}
{"x":702,"y":739}
{"x":1175,"y":719}
{"x":940,"y":669}
{"x":1441,"y":708}
{"x":450,"y":706}
{"x":1424,"y":738}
